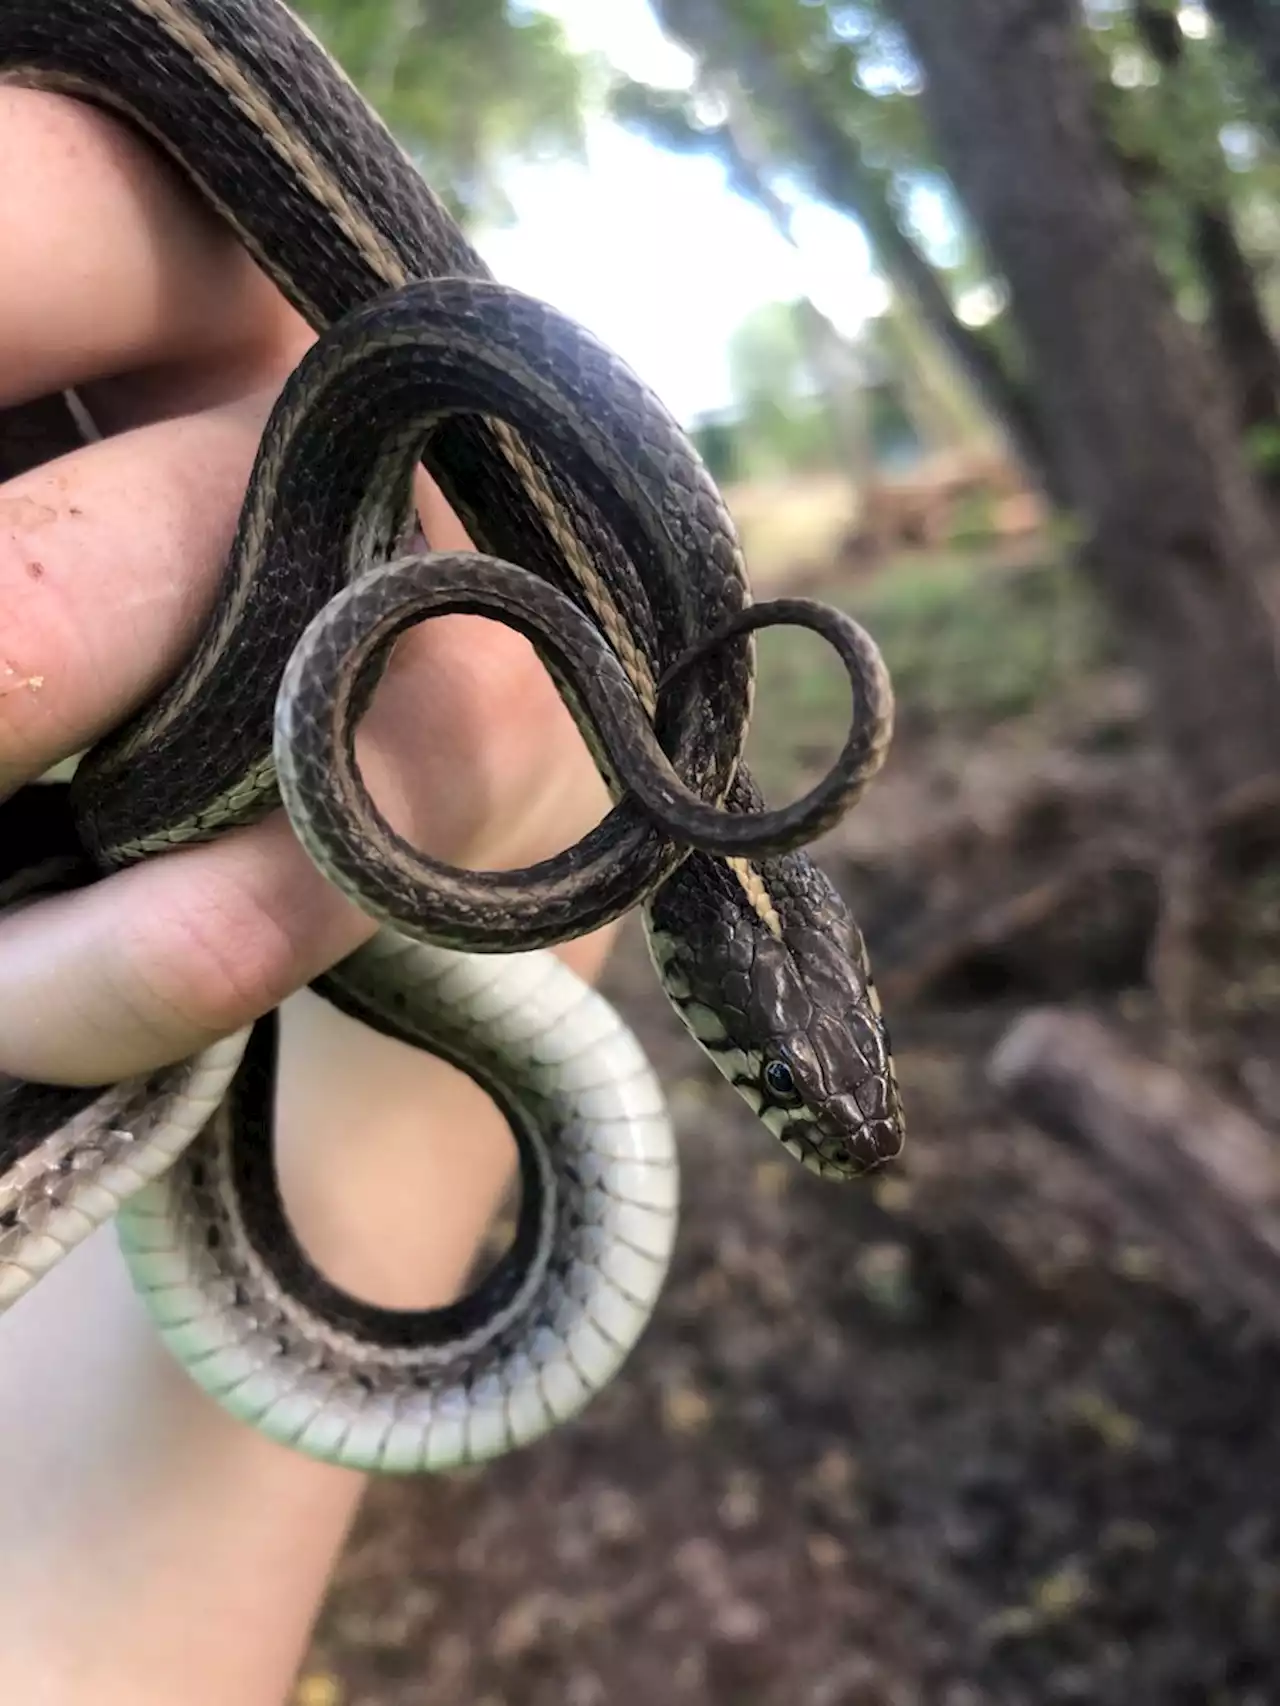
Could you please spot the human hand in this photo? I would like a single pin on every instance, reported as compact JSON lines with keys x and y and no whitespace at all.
{"x":163,"y":1522}
{"x":123,"y":287}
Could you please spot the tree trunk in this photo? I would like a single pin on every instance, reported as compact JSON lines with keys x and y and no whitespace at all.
{"x":1179,"y":540}
{"x":1201,"y":1173}
{"x":841,"y":178}
{"x":1237,"y":320}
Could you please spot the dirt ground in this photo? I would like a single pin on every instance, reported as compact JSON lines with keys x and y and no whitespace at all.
{"x":963,"y":1436}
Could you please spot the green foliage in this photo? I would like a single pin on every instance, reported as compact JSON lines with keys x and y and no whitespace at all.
{"x":1173,"y":100}
{"x":786,"y":409}
{"x":766,"y":356}
{"x":719,"y":443}
{"x":833,"y":103}
{"x":923,"y":402}
{"x":844,"y":64}
{"x":797,"y":96}
{"x":966,"y":642}
{"x":770,"y":439}
{"x":466,"y":85}
{"x":968,"y":645}
{"x":1262,"y":445}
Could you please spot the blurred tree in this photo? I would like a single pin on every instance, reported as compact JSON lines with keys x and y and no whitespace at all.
{"x":1253,"y":26}
{"x":1063,"y":166}
{"x":1166,"y":126}
{"x":817,"y":120}
{"x":736,"y":140}
{"x":467,"y":85}
{"x":1090,"y":174}
{"x":940,"y":409}
{"x":1179,"y":540}
{"x":798,"y":386}
{"x":806,"y":397}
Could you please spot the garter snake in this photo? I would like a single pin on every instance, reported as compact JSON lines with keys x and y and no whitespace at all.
{"x":633,"y":590}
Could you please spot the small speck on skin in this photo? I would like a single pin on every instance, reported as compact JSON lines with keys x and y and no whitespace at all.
{"x":33,"y":683}
{"x":35,"y":569}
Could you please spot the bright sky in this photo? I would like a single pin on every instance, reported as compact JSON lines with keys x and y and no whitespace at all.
{"x":650,"y":250}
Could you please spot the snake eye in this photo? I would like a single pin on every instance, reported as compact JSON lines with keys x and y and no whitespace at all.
{"x":780,"y":1083}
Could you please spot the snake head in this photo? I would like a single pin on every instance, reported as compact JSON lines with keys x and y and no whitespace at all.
{"x":792,"y":1019}
{"x":823,"y":1082}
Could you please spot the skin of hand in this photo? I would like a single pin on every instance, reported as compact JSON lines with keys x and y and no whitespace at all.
{"x":150,"y":1548}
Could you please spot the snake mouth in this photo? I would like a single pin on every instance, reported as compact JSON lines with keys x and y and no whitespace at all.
{"x":841,"y":1142}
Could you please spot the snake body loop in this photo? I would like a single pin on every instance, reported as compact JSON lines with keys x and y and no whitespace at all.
{"x":602,"y":537}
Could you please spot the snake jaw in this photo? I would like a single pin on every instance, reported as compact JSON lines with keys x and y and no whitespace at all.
{"x":837,"y":1141}
{"x":792,"y":1021}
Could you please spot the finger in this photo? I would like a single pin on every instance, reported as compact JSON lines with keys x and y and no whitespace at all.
{"x":160,"y":960}
{"x":114,"y":267}
{"x":155,"y":962}
{"x":109,"y":560}
{"x":149,"y":966}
